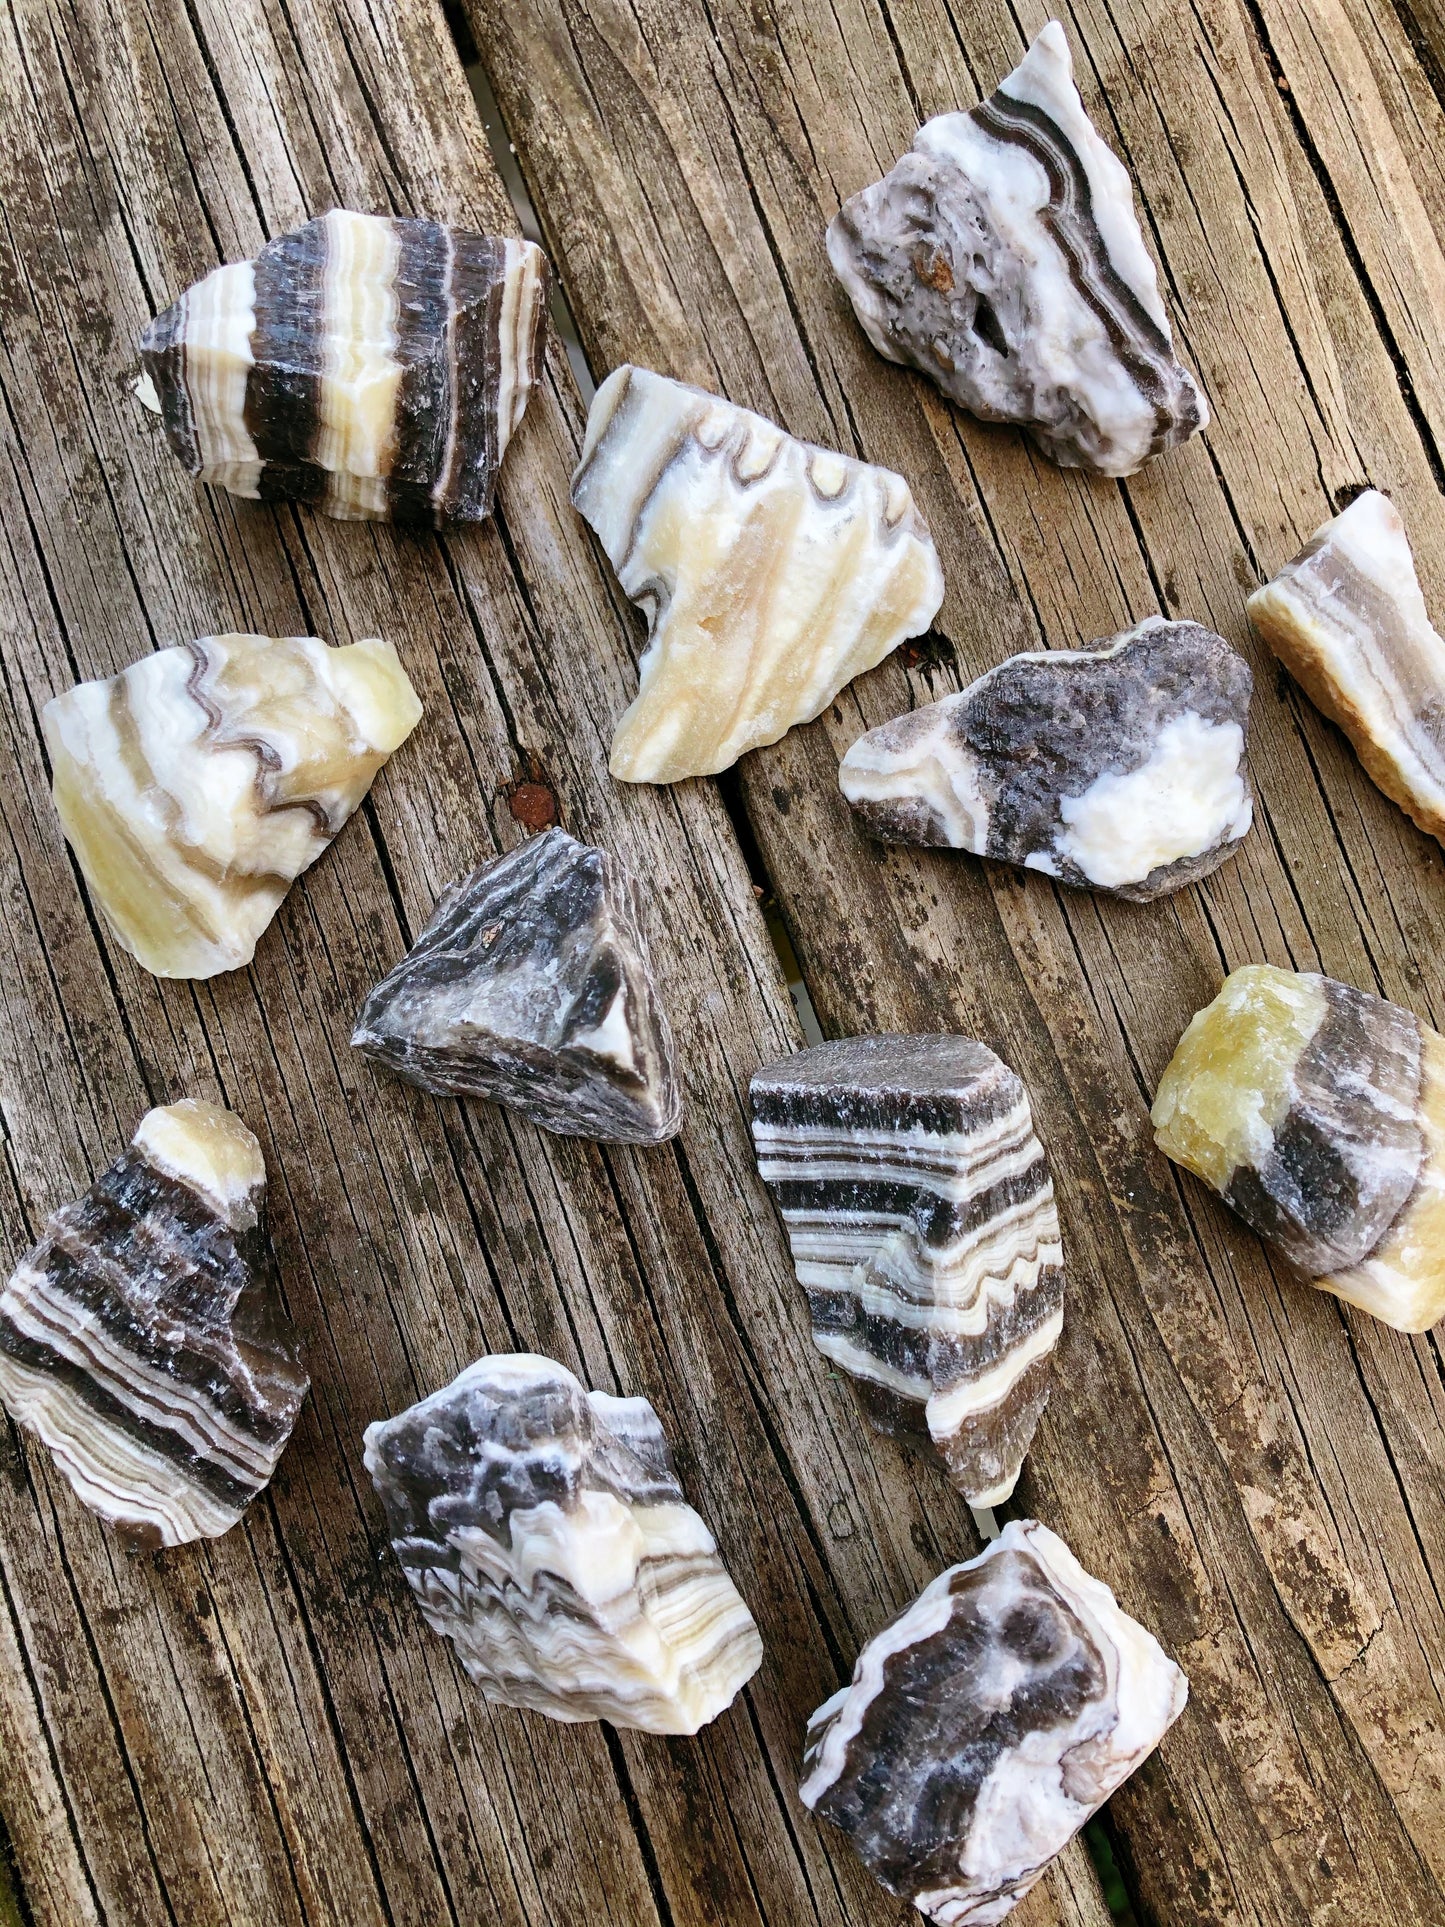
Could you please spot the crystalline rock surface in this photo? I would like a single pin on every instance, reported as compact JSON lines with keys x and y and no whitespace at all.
{"x":544,"y":1532}
{"x":921,"y":1215}
{"x":986,"y":1724}
{"x":143,"y":1340}
{"x":1002,"y":258}
{"x":531,"y":986}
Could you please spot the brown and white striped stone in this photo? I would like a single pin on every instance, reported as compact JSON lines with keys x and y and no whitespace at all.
{"x":1002,"y":258}
{"x":918,"y":1202}
{"x":544,"y":1532}
{"x":144,"y":1340}
{"x":772,"y":572}
{"x":374,"y":367}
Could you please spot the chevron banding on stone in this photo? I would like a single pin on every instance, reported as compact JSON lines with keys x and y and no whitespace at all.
{"x":143,"y":1339}
{"x":198,"y":784}
{"x":924,"y":1232}
{"x":373,"y":367}
{"x":544,"y":1531}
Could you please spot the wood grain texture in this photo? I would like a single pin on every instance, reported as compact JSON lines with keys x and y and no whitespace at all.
{"x":262,"y":1729}
{"x":1256,"y":1469}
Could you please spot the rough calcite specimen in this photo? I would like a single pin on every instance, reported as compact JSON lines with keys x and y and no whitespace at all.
{"x":144,"y":1340}
{"x":376,"y":368}
{"x":531,"y":986}
{"x":772,"y":572}
{"x":543,"y":1529}
{"x":1318,"y":1112}
{"x":1002,"y":258}
{"x":1348,"y":621}
{"x":921,"y":1215}
{"x":198,"y":784}
{"x":1119,"y":768}
{"x":983,"y":1727}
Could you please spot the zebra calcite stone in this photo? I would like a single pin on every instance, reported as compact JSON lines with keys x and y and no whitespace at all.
{"x":198,"y":784}
{"x":986,"y":1724}
{"x":1348,"y":621}
{"x":1318,"y":1113}
{"x":1119,"y":768}
{"x":373,"y":367}
{"x":531,"y":986}
{"x":543,"y":1529}
{"x":144,"y":1340}
{"x":922,"y":1221}
{"x":771,"y":572}
{"x":1002,"y":258}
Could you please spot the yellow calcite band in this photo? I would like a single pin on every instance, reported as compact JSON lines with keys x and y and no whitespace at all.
{"x":1402,"y":1282}
{"x":1230,"y":1080}
{"x":1230,"y":1087}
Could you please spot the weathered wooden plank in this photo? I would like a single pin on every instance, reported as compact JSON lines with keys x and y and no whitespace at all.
{"x":262,"y":1729}
{"x":1256,"y":1470}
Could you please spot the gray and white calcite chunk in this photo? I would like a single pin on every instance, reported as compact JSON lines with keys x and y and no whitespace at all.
{"x":986,"y":1724}
{"x":531,"y":986}
{"x":1120,"y":768}
{"x":921,"y":1214}
{"x":1002,"y":258}
{"x":543,"y":1529}
{"x":374,"y":367}
{"x":1348,"y":621}
{"x":144,"y":1341}
{"x":772,"y":572}
{"x":1317,"y":1112}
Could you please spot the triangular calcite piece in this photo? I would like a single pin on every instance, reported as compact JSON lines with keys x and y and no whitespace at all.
{"x":531,"y":986}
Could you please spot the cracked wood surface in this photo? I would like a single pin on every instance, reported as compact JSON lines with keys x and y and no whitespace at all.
{"x":262,"y":1729}
{"x":1255,"y":1468}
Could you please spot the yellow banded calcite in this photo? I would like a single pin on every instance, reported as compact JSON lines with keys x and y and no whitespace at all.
{"x":771,"y":572}
{"x":198,"y":784}
{"x":1317,"y":1112}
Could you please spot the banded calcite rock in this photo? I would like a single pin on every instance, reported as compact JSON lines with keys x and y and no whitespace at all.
{"x":198,"y":784}
{"x":1002,"y":258}
{"x":1348,"y":621}
{"x":986,"y":1724}
{"x":531,"y":986}
{"x":921,"y":1215}
{"x":376,"y":368}
{"x":144,"y":1340}
{"x":772,"y":572}
{"x":1119,"y":768}
{"x":544,"y":1531}
{"x":1318,"y":1113}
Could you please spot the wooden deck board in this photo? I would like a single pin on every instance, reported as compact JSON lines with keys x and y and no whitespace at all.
{"x":1255,"y":1469}
{"x":262,"y":1729}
